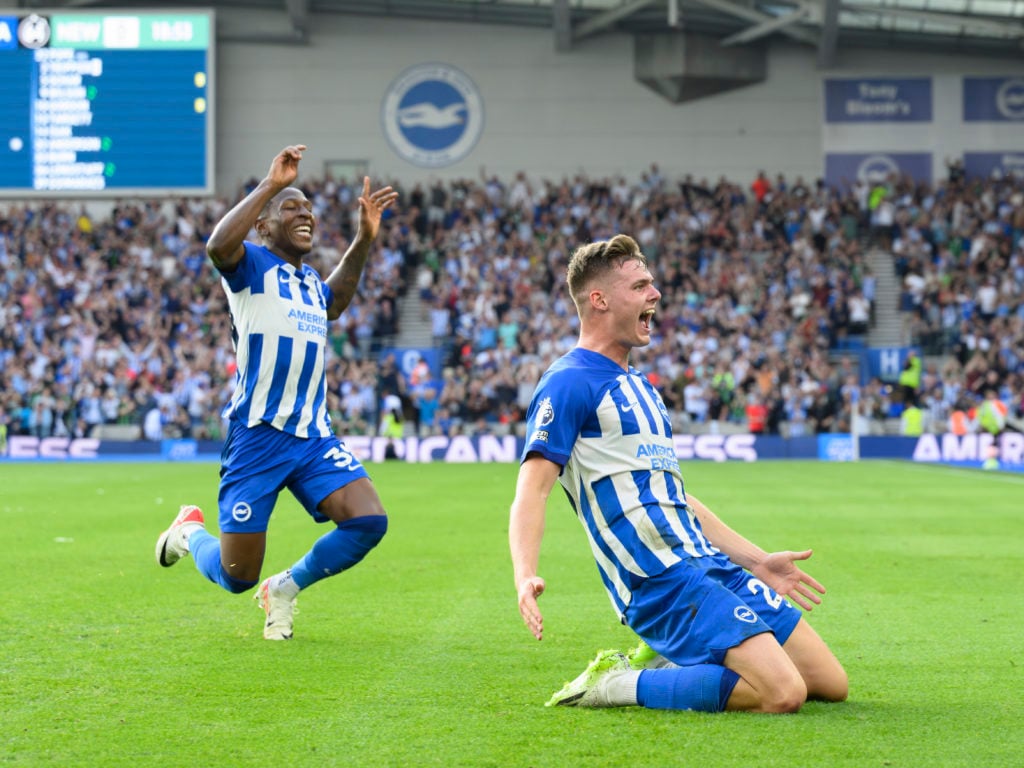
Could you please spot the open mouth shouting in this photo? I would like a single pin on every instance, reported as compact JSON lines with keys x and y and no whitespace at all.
{"x":646,"y":320}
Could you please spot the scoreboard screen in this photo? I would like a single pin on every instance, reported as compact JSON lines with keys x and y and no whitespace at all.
{"x":104,"y":104}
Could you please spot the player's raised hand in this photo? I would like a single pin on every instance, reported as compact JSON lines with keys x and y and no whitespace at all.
{"x":285,"y":167}
{"x":371,"y":208}
{"x":780,"y":572}
{"x":529,"y":590}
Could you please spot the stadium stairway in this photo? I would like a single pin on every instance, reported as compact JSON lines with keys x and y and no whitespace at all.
{"x":413,"y":329}
{"x":887,"y":330}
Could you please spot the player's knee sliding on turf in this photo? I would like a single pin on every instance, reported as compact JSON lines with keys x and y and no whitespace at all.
{"x":701,"y":594}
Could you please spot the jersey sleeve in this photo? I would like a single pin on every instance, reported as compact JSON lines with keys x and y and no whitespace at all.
{"x":556,"y":416}
{"x":245,"y":272}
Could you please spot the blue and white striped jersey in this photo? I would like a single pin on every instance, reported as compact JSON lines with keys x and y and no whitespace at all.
{"x":280,"y":330}
{"x":610,"y":431}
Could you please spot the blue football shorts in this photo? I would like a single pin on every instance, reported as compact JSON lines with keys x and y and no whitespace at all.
{"x":698,"y":609}
{"x":258,"y":462}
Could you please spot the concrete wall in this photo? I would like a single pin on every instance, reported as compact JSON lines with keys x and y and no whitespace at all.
{"x":550,"y":114}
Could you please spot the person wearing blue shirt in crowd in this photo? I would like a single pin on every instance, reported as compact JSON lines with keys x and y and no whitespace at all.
{"x":707,"y":602}
{"x":279,"y":433}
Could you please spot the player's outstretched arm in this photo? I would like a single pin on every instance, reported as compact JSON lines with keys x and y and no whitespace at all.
{"x":225,"y":246}
{"x":780,"y":572}
{"x":776,"y":569}
{"x":537,"y":477}
{"x":344,"y":280}
{"x":740,"y":550}
{"x":529,"y":590}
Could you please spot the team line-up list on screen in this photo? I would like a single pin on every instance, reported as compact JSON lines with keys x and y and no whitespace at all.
{"x":107,"y":102}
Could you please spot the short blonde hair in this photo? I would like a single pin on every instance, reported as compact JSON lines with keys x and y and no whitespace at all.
{"x":596,"y":259}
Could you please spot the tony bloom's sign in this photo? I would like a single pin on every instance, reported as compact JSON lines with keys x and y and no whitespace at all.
{"x":878,"y":100}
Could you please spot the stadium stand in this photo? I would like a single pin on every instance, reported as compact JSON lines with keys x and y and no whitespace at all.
{"x":115,"y":326}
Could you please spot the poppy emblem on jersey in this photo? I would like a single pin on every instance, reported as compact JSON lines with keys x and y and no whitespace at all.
{"x":432,"y":115}
{"x":744,"y":614}
{"x":545,"y":412}
{"x":241,"y":512}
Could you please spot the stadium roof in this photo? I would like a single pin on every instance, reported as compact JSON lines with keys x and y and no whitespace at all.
{"x":983,"y":27}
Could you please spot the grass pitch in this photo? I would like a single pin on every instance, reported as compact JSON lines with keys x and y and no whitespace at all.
{"x":418,"y":657}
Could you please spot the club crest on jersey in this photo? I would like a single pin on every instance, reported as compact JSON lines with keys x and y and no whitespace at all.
{"x":241,"y":511}
{"x":661,"y":406}
{"x":744,"y":614}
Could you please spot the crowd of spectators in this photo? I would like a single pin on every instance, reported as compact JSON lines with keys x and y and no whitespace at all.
{"x":118,"y":319}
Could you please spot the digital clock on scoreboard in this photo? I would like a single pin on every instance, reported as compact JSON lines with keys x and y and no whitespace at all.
{"x":106,"y":104}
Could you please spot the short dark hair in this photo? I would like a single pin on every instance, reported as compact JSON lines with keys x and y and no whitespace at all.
{"x":595,"y":259}
{"x":276,"y":199}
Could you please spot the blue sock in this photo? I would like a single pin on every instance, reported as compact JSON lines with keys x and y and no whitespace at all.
{"x":703,"y":687}
{"x":339,"y":549}
{"x":205,"y":549}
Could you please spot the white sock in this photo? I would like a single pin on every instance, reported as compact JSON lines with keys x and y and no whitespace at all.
{"x":186,"y":533}
{"x":661,"y":663}
{"x":284,"y":584}
{"x":621,"y":690}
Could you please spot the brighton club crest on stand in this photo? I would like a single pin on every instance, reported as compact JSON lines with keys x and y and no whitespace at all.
{"x":432,"y":115}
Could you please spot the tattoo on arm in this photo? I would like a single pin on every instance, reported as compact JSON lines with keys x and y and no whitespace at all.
{"x":344,"y":280}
